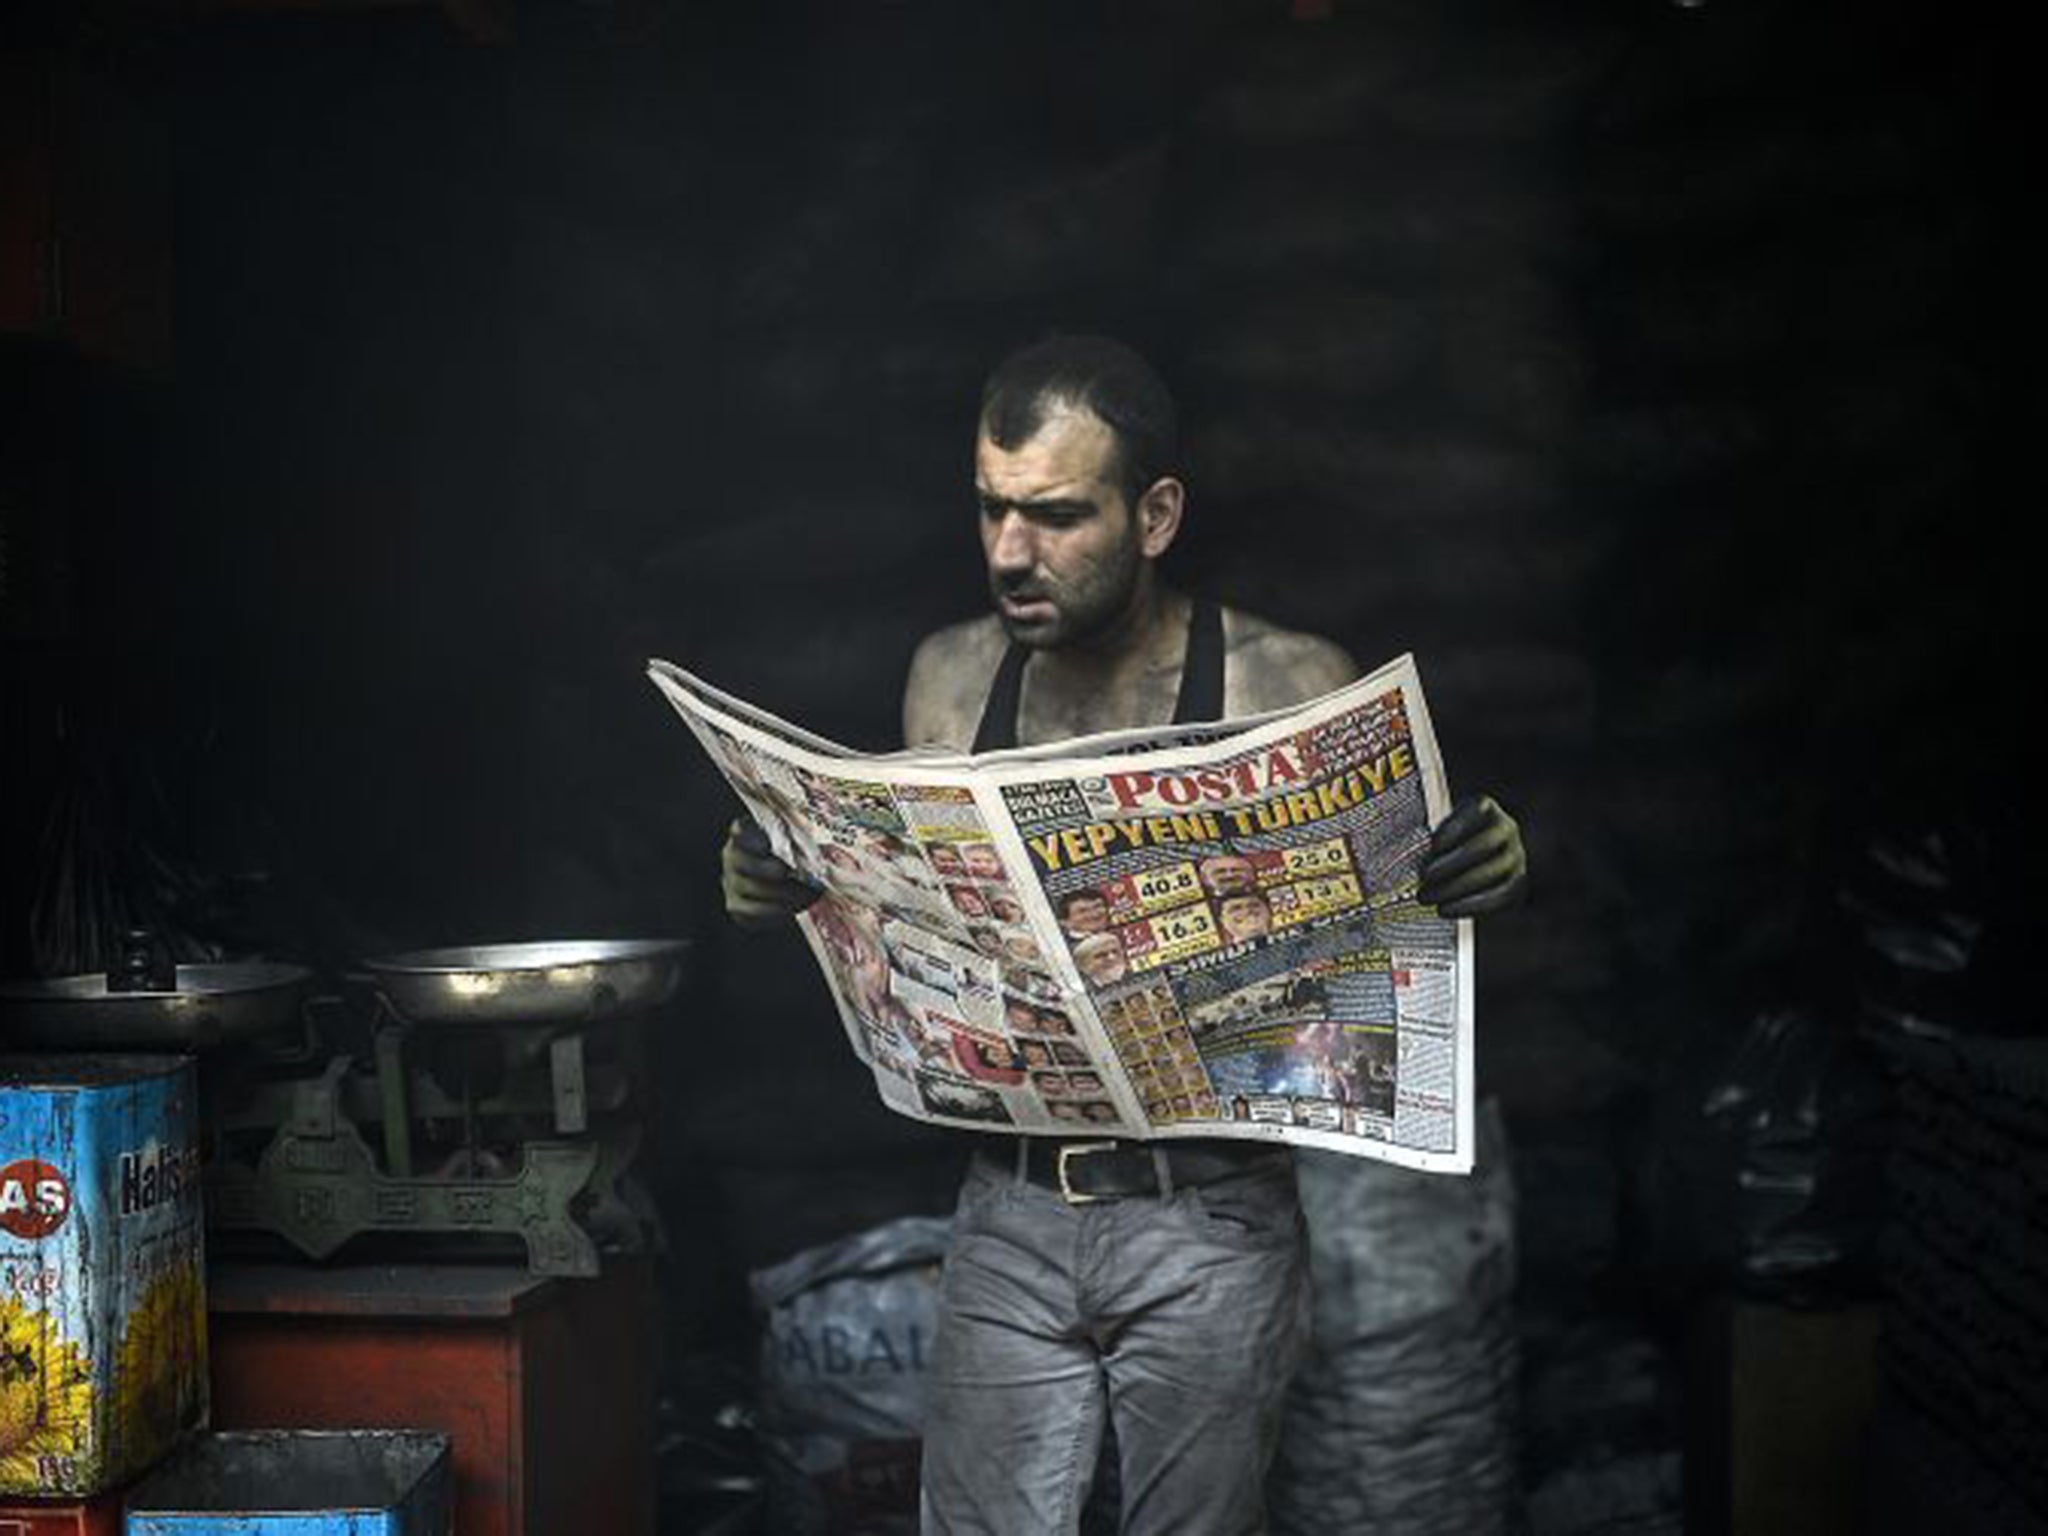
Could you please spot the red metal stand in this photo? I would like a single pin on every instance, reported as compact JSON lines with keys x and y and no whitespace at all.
{"x":546,"y":1385}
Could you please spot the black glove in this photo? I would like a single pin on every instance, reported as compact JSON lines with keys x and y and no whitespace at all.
{"x":759,"y":888}
{"x":1476,"y":863}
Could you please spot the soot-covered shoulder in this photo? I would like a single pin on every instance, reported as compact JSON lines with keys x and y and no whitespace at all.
{"x":1268,"y":667}
{"x":949,"y":679}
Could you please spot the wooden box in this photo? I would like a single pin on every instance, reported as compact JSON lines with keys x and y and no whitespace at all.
{"x":545,"y":1386}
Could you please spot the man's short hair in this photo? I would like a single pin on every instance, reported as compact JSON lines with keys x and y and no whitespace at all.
{"x":1107,"y":377}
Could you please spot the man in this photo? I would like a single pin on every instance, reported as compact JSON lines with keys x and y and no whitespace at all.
{"x":1100,"y":957}
{"x":983,"y":862}
{"x":1082,"y":912}
{"x":1170,"y":1298}
{"x":1246,"y":915}
{"x":1051,"y":1021}
{"x":968,"y":901}
{"x":1227,"y":874}
{"x":1005,"y":908}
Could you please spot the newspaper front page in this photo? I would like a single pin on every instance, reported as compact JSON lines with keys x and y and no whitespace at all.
{"x":1177,"y":931}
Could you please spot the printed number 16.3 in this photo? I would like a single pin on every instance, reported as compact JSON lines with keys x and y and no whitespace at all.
{"x":1183,"y":925}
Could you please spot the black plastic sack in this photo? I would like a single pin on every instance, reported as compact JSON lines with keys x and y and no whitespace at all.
{"x":846,"y":1341}
{"x":1909,"y":899}
{"x":1402,"y":1418}
{"x":1767,"y":1175}
{"x":1938,"y":918}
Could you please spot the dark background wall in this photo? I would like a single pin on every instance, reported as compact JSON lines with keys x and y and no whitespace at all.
{"x":1650,"y":371}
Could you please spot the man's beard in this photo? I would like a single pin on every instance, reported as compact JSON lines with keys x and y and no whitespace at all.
{"x":1083,"y":612}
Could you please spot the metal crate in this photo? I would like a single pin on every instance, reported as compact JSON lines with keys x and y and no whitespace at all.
{"x":102,"y":1285}
{"x":299,"y":1482}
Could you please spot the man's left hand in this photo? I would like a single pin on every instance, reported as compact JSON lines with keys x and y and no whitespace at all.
{"x":1476,"y":863}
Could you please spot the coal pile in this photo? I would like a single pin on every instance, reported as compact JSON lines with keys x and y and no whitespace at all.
{"x":1961,"y":1432}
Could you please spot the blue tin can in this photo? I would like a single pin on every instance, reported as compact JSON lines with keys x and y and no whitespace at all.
{"x":102,"y":1280}
{"x":300,"y":1482}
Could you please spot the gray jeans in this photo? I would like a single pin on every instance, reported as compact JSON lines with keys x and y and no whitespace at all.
{"x":1180,"y":1316}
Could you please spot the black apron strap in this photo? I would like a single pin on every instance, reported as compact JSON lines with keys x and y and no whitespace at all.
{"x":998,"y":729}
{"x":1201,"y":681}
{"x":1201,"y":670}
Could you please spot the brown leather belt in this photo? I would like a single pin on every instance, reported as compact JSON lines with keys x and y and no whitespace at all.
{"x":1084,"y":1171}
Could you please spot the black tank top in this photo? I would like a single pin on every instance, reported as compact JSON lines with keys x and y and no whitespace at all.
{"x":1201,"y":681}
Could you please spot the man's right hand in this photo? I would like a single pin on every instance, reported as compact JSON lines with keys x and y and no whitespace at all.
{"x":759,"y":888}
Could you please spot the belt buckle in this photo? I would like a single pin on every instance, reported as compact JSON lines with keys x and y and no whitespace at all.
{"x":1079,"y":1149}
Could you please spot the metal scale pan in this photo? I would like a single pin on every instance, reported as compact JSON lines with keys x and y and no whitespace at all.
{"x":500,"y":1086}
{"x":212,"y":1005}
{"x":552,"y":981}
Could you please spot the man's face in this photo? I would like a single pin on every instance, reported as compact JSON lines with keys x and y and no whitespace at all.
{"x":1244,"y":917}
{"x":1101,"y":958}
{"x":1085,"y":914}
{"x":1064,"y":548}
{"x":1227,"y":874}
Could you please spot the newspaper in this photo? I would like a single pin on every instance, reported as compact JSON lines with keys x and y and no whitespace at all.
{"x":1178,"y":931}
